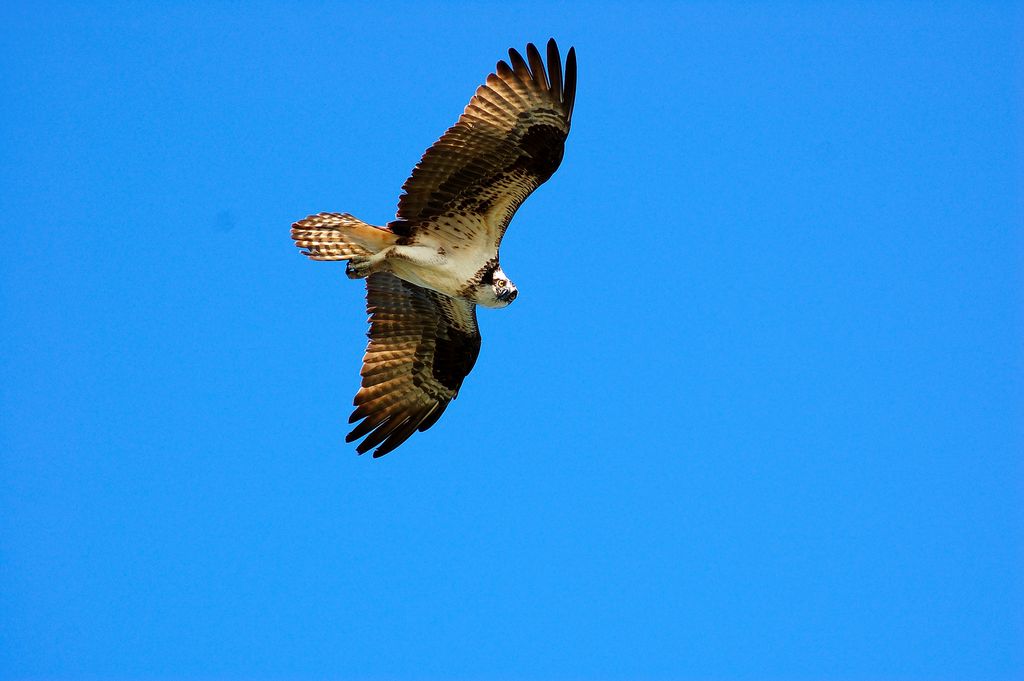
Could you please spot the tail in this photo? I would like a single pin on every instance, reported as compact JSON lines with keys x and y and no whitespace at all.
{"x":339,"y":236}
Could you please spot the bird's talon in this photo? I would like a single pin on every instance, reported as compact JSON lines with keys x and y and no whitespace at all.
{"x":358,"y":268}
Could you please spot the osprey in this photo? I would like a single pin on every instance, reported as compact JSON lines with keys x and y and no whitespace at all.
{"x":427,"y":270}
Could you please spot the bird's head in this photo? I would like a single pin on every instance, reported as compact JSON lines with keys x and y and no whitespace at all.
{"x":496,"y":289}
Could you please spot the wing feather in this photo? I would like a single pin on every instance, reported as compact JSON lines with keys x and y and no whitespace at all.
{"x":402,"y":432}
{"x":555,"y":66}
{"x":432,"y":417}
{"x":508,"y":141}
{"x":422,"y":346}
{"x":537,"y":66}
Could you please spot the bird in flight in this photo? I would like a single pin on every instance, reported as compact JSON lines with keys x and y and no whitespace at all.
{"x":427,"y":270}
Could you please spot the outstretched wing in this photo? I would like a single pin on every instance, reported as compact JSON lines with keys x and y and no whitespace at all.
{"x":422,"y":345}
{"x":508,"y":142}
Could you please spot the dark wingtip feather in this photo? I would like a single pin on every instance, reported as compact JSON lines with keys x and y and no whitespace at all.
{"x":569,"y":97}
{"x":362,"y":429}
{"x":390,"y":433}
{"x":401,"y":433}
{"x":537,"y":65}
{"x":369,"y":422}
{"x":554,"y":67}
{"x":504,"y":69}
{"x":518,"y":63}
{"x":433,"y":416}
{"x":374,"y":438}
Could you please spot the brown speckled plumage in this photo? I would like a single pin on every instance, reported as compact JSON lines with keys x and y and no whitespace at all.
{"x":428,"y":269}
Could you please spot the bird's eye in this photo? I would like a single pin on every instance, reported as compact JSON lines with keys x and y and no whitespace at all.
{"x":500,"y":283}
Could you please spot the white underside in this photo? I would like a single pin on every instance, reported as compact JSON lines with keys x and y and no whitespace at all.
{"x":447,"y":255}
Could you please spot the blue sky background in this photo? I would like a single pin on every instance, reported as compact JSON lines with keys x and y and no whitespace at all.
{"x":765,"y":370}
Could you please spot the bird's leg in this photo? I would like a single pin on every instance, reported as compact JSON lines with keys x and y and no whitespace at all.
{"x":423,"y":256}
{"x":360,"y":267}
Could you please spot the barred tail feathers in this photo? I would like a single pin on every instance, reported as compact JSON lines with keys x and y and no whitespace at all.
{"x":339,"y":236}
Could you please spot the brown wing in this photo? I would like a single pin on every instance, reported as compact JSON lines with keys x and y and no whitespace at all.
{"x":508,"y":142}
{"x":422,"y":345}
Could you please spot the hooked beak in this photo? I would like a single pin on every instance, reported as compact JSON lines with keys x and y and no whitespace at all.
{"x":507,"y":295}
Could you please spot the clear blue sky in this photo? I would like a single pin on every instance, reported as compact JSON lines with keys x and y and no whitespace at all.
{"x":758,"y":412}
